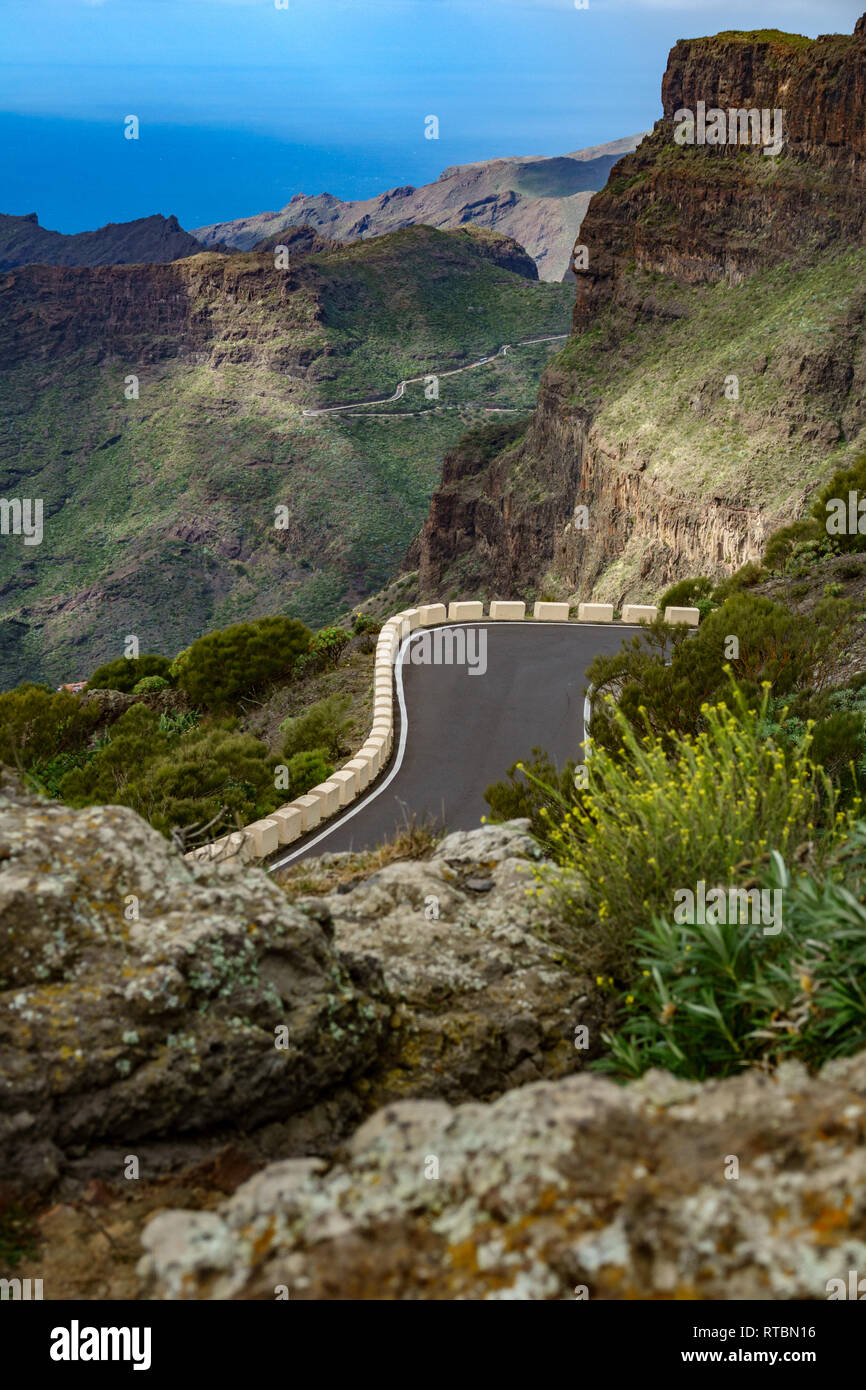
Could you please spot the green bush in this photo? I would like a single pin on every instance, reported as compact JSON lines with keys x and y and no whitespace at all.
{"x":324,"y":726}
{"x":223,"y":667}
{"x":743,"y":578}
{"x":710,"y":999}
{"x":531,"y":787}
{"x":306,"y":770}
{"x":36,"y":724}
{"x":658,"y":818}
{"x":664,"y":676}
{"x":324,"y":650}
{"x":178,"y":663}
{"x":177,"y":779}
{"x":847,"y":480}
{"x":148,"y":684}
{"x":685,"y":593}
{"x":780,"y":547}
{"x":362,"y":623}
{"x":46,"y":775}
{"x":125,"y":672}
{"x":838,"y":745}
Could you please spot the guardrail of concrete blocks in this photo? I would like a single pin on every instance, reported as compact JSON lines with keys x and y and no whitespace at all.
{"x":264,"y":837}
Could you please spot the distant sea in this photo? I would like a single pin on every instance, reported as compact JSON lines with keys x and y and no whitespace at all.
{"x":78,"y":175}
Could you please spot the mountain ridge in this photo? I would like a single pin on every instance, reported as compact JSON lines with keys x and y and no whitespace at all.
{"x":538,"y":200}
{"x":145,"y":240}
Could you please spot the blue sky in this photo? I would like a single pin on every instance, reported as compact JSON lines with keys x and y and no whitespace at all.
{"x":242,"y":104}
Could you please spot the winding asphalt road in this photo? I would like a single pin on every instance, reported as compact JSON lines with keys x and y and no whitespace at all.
{"x":409,"y":380}
{"x":458,"y":731}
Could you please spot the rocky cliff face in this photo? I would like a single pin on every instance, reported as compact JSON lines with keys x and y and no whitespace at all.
{"x":704,"y":214}
{"x":716,"y":374}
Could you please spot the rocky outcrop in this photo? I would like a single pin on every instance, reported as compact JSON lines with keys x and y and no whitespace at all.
{"x":143,"y":996}
{"x":154,"y":1007}
{"x":692,"y":477}
{"x":485,"y":991}
{"x":751,"y":1188}
{"x":721,"y":212}
{"x":145,"y":240}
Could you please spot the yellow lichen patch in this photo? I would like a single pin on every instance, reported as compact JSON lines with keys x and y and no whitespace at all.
{"x":262,"y":1243}
{"x":831,"y":1220}
{"x":464,"y":1256}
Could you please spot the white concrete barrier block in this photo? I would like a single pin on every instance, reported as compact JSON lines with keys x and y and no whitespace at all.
{"x":639,"y":612}
{"x":373,"y":753}
{"x":690,"y":616}
{"x":467,"y":612}
{"x":412,"y":616}
{"x":504,"y":610}
{"x":290,"y":823}
{"x":310,"y":808}
{"x":595,"y":612}
{"x":551,"y":612}
{"x":347,"y":780}
{"x":265,"y":837}
{"x":361,"y":765}
{"x":329,"y":797}
{"x":431,"y":613}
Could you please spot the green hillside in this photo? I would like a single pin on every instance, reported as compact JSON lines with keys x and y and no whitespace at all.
{"x":159,"y":512}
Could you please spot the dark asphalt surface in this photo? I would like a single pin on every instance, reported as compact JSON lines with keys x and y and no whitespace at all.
{"x":464,"y":730}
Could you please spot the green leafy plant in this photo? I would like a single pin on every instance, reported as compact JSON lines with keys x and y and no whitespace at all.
{"x":150,"y":684}
{"x":176,"y":779}
{"x":324,"y":651}
{"x":664,"y":677}
{"x":657,"y":816}
{"x":36,"y":724}
{"x":124,"y":673}
{"x":223,"y":667}
{"x":324,"y":726}
{"x":307,"y":770}
{"x":528,"y":789}
{"x":711,"y":999}
{"x":685,"y":593}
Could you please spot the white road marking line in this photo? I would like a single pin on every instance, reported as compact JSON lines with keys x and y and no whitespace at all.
{"x":404,"y":725}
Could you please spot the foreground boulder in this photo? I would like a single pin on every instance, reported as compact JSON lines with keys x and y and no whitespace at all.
{"x":486,"y":994}
{"x":750,"y":1188}
{"x":143,"y":996}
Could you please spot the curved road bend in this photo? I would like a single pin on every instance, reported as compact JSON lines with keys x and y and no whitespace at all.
{"x":412,"y":380}
{"x":458,"y":732}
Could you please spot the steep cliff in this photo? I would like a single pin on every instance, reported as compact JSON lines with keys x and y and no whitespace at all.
{"x":716,"y":373}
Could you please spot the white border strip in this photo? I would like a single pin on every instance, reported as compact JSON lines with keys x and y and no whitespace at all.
{"x":401,"y":749}
{"x":404,"y":727}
